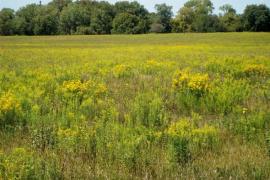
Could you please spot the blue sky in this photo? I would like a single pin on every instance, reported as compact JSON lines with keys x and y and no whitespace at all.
{"x":239,"y":5}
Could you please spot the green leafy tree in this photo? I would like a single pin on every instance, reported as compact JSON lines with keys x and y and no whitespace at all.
{"x":27,"y":17}
{"x":164,"y":16}
{"x":227,"y":8}
{"x":196,"y":15}
{"x":74,"y":16}
{"x":125,"y":23}
{"x":46,"y":21}
{"x":19,"y":25}
{"x":137,"y":18}
{"x":133,"y":8}
{"x":257,"y":18}
{"x":102,"y":18}
{"x":229,"y":20}
{"x":6,"y":21}
{"x":60,"y":4}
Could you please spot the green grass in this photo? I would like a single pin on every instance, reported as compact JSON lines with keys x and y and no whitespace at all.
{"x":174,"y":106}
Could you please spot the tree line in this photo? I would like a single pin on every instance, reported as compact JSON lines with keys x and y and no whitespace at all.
{"x":124,"y":17}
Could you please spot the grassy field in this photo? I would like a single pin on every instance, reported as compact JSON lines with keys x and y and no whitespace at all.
{"x":178,"y":106}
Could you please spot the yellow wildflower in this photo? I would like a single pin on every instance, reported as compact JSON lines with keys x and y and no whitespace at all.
{"x":121,"y":70}
{"x":197,"y":83}
{"x":256,"y":70}
{"x":67,"y":133}
{"x":8,"y":103}
{"x":101,"y":89}
{"x":76,"y":86}
{"x":181,"y":79}
{"x":245,"y":110}
{"x":180,"y":128}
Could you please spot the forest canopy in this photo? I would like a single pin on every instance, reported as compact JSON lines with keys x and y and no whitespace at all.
{"x":124,"y":17}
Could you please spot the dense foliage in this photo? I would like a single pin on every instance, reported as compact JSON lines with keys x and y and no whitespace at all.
{"x":124,"y":17}
{"x":166,"y":106}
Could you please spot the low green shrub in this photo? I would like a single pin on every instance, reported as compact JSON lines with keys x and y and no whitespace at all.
{"x":10,"y":111}
{"x":188,"y":140}
{"x":148,"y":110}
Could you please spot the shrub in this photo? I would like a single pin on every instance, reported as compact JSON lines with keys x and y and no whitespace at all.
{"x":75,"y":92}
{"x":76,"y":87}
{"x":10,"y":111}
{"x":197,"y":84}
{"x":148,"y":110}
{"x":67,"y":139}
{"x":122,"y":71}
{"x":156,"y":28}
{"x":44,"y":137}
{"x":23,"y":164}
{"x":179,"y":134}
{"x":267,"y":141}
{"x":76,"y":139}
{"x":152,"y":67}
{"x":205,"y":137}
{"x":187,"y":139}
{"x":251,"y":125}
{"x":84,"y":30}
{"x":256,"y":70}
{"x":226,"y":94}
{"x":20,"y":164}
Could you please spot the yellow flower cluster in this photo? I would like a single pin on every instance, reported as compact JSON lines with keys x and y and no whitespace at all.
{"x":186,"y":129}
{"x":67,"y":133}
{"x":121,"y":70}
{"x":19,"y":164}
{"x":256,"y":70}
{"x":198,"y":83}
{"x":206,"y":134}
{"x":76,"y":86}
{"x":101,"y":89}
{"x":153,"y":63}
{"x":8,"y":103}
{"x":17,"y":156}
{"x":181,"y":79}
{"x":153,"y":66}
{"x":179,"y":129}
{"x":245,"y":110}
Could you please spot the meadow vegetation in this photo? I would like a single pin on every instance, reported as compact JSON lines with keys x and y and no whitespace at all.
{"x":170,"y":106}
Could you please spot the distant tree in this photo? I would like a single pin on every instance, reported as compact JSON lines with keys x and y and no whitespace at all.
{"x":164,"y":15}
{"x":74,"y":16}
{"x":137,"y":18}
{"x":26,"y":18}
{"x":184,"y":20}
{"x":227,"y":8}
{"x":133,"y":8}
{"x":101,"y":22}
{"x":256,"y":18}
{"x":7,"y":21}
{"x":19,"y":25}
{"x":143,"y":26}
{"x":125,"y":23}
{"x":176,"y":26}
{"x":102,"y":18}
{"x":196,"y":15}
{"x":229,"y":20}
{"x":157,"y":28}
{"x":46,"y":21}
{"x":60,"y":4}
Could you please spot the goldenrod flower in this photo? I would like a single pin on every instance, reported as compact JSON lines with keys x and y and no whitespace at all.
{"x":8,"y":103}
